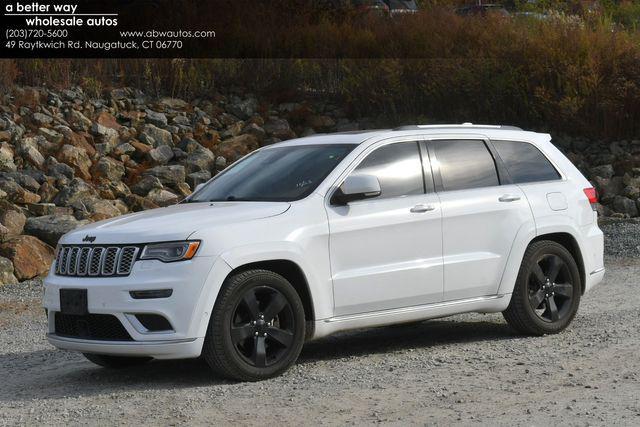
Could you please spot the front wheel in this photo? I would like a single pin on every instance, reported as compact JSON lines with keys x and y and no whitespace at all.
{"x":257,"y":327}
{"x":547,"y":291}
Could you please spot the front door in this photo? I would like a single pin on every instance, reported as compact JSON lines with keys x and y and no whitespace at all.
{"x":387,"y":252}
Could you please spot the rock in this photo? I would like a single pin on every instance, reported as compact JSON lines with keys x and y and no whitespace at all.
{"x":13,"y":220}
{"x":255,"y":130}
{"x":173,"y":103}
{"x":279,"y":128}
{"x":160,"y":156}
{"x":631,"y":192}
{"x":608,"y":188}
{"x":162,"y":197}
{"x":6,"y":158}
{"x":625,"y":206}
{"x":168,"y":175}
{"x":124,"y":149}
{"x":48,"y":192}
{"x":78,"y":121}
{"x":145,"y":185}
{"x":30,"y":257}
{"x":237,"y":147}
{"x":200,"y":159}
{"x":107,"y":120}
{"x":24,"y":179}
{"x":77,"y":139}
{"x":321,"y":123}
{"x":604,"y":171}
{"x":75,"y":193}
{"x":51,"y":135}
{"x":6,"y":272}
{"x":28,"y":149}
{"x":51,"y":228}
{"x":58,"y":170}
{"x":107,"y":136}
{"x":181,"y":121}
{"x":138,"y":203}
{"x":95,"y":209}
{"x":77,"y":158}
{"x":16,"y":193}
{"x":108,"y":169}
{"x":41,"y":119}
{"x":155,"y":118}
{"x":196,"y":178}
{"x":243,"y":108}
{"x":221,"y":163}
{"x":5,"y":136}
{"x":41,"y":209}
{"x":158,"y":136}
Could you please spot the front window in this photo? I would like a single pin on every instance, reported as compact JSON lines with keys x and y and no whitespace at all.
{"x":280,"y":174}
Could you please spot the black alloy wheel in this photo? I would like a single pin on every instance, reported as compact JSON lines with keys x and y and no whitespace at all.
{"x":262,"y":328}
{"x":257,"y":327}
{"x":546,"y":295}
{"x":550,"y":288}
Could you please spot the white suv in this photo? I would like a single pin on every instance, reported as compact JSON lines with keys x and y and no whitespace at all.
{"x":328,"y":233}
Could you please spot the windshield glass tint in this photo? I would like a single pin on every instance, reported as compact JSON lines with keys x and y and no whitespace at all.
{"x":275,"y":174}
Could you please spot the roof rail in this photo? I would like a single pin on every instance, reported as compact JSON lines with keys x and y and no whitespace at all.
{"x":463,"y":125}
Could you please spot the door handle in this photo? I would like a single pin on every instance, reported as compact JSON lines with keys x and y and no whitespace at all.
{"x":422,"y":208}
{"x":507,"y":198}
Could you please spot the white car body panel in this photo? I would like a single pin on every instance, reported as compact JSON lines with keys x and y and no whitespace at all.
{"x":371,"y":263}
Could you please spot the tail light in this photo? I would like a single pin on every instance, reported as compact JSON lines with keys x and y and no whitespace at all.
{"x":592,"y":195}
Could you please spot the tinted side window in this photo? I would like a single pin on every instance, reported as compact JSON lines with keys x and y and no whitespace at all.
{"x":398,"y":168}
{"x":525,"y":162}
{"x":465,"y":164}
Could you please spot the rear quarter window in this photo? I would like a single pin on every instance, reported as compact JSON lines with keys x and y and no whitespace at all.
{"x":525,"y":162}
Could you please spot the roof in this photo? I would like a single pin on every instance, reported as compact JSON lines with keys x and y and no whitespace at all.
{"x":358,"y":137}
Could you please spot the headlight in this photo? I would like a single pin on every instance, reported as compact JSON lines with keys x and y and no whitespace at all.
{"x":170,"y":252}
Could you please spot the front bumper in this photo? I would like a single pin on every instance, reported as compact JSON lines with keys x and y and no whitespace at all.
{"x":194,"y":286}
{"x":175,"y":349}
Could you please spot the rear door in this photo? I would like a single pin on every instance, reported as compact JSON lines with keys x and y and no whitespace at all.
{"x":482,"y":212}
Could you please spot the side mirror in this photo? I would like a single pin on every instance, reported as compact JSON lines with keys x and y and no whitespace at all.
{"x":357,"y":187}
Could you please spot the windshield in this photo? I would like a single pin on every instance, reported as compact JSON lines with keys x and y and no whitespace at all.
{"x":281,"y":174}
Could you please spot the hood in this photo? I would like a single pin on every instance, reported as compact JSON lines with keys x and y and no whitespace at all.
{"x":176,"y":222}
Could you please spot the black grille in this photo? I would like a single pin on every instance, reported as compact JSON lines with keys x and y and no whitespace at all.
{"x":101,"y":327}
{"x":96,"y":261}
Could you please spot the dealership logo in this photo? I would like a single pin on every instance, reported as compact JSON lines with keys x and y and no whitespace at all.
{"x":89,"y":239}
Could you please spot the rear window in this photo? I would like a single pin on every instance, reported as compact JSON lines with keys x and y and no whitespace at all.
{"x":525,"y":162}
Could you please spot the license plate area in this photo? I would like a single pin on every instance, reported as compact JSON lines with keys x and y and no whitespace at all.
{"x":74,"y":302}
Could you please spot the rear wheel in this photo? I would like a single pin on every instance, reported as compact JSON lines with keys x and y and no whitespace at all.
{"x":257,"y":327}
{"x":547,"y":291}
{"x":115,"y":362}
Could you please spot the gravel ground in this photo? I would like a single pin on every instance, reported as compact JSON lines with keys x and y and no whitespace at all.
{"x":467,"y":369}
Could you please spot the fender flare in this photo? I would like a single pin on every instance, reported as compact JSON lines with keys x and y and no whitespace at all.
{"x":524,"y":238}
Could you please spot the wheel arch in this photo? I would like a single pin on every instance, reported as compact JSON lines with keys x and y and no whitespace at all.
{"x":569,"y":242}
{"x":291,"y":271}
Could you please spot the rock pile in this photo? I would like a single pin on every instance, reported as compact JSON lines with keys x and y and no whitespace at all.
{"x":67,"y":159}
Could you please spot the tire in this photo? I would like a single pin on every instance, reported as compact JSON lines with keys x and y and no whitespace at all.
{"x":547,"y":292}
{"x":115,"y":362}
{"x":245,"y":340}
